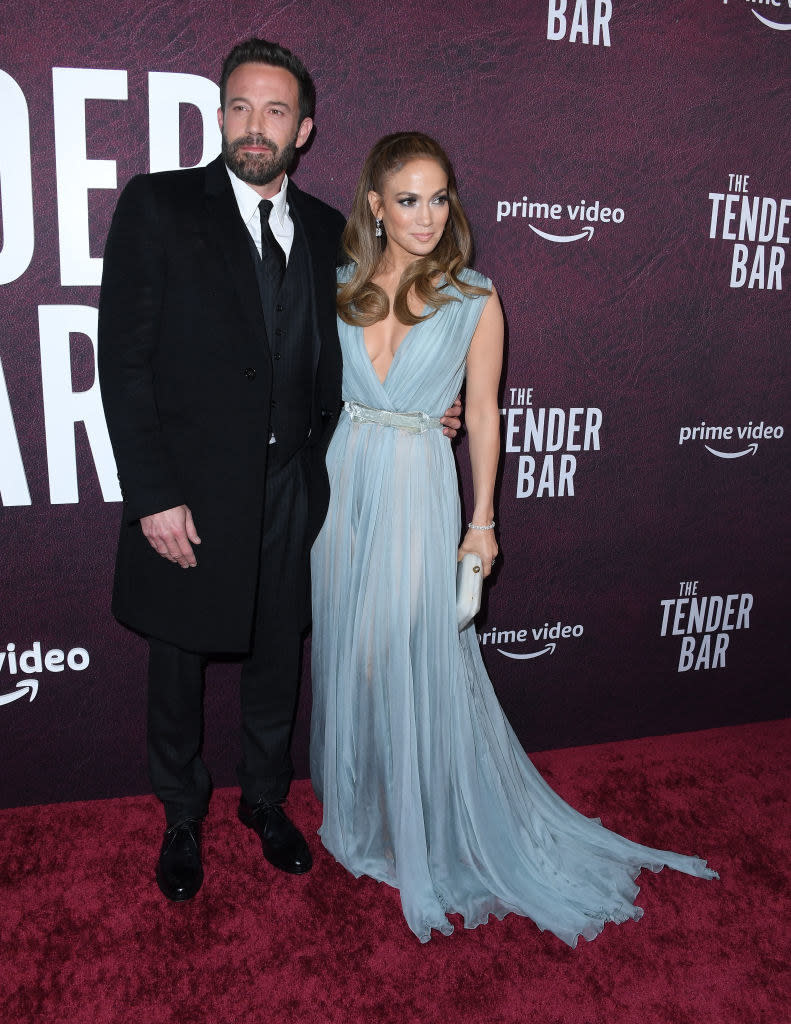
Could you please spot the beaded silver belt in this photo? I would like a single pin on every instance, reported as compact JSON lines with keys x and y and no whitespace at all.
{"x":412,"y":422}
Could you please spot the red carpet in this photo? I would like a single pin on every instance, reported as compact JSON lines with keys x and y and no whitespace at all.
{"x":86,"y":937}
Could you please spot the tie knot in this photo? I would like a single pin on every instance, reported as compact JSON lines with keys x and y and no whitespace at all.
{"x":265,"y":207}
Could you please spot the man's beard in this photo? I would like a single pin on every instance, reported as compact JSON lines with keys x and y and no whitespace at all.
{"x":257,"y":168}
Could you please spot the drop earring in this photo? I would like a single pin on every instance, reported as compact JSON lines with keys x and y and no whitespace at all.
{"x":378,"y":231}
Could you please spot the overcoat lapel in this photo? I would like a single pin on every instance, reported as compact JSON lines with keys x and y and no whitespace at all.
{"x":228,"y":237}
{"x":316,"y":243}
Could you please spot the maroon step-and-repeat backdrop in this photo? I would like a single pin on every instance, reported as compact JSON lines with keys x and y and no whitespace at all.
{"x":626,"y":170}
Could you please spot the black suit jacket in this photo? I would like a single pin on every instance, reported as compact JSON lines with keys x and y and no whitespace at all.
{"x":186,"y":378}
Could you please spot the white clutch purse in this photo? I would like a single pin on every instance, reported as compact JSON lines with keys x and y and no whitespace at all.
{"x":469,"y":584}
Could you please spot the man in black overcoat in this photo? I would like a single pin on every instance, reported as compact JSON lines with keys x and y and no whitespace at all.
{"x":220,"y":372}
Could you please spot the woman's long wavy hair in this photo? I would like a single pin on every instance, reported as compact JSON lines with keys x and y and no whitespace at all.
{"x":361,"y":302}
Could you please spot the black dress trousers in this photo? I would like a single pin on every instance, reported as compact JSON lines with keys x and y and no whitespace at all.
{"x":269,"y":679}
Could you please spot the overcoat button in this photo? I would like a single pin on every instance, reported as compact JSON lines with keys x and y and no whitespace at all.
{"x":277,"y":355}
{"x":249,"y":372}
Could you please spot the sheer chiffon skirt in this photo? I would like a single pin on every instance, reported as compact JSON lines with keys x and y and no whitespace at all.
{"x":424,"y":783}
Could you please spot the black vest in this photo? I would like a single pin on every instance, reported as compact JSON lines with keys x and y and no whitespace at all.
{"x":288,"y":314}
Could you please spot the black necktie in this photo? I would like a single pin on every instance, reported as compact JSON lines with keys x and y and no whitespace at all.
{"x":272,"y":255}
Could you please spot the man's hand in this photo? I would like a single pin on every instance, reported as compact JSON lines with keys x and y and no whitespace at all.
{"x":451,"y":420}
{"x":169,"y":533}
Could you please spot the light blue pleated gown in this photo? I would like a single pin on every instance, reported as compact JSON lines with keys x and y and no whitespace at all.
{"x":424,"y":783}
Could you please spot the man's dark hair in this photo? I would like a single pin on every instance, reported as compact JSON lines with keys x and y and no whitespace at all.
{"x":260,"y":51}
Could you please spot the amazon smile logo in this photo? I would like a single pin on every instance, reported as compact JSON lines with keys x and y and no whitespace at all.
{"x":23,"y":688}
{"x":35,"y":661}
{"x":768,"y":14}
{"x":730,"y":442}
{"x":582,"y":215}
{"x":540,"y":639}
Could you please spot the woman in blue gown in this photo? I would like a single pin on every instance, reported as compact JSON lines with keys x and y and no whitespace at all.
{"x":424,"y":783}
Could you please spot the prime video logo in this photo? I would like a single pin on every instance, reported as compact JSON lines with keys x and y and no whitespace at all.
{"x":750,"y":432}
{"x":583,"y":211}
{"x":546,"y":634}
{"x":34,"y":662}
{"x":782,"y":26}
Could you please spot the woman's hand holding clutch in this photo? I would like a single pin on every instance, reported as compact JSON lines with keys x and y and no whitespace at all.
{"x":476,"y":556}
{"x":480,"y":542}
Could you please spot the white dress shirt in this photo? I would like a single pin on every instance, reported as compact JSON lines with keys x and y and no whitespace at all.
{"x":247,"y":199}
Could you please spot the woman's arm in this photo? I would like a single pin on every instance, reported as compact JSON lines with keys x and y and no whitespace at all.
{"x":482,"y":416}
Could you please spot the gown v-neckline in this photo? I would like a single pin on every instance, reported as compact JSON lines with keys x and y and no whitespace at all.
{"x":401,"y":344}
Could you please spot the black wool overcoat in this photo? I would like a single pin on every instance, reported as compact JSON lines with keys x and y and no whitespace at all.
{"x":186,"y":379}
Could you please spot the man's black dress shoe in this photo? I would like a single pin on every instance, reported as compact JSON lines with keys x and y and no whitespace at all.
{"x":283,"y":844}
{"x":179,"y":870}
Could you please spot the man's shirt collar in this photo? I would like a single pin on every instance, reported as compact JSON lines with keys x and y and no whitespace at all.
{"x":248,"y":199}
